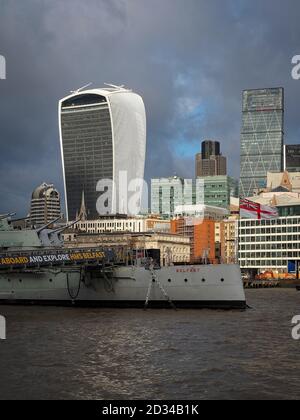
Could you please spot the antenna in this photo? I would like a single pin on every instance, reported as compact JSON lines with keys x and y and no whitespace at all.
{"x":115,"y":86}
{"x":83,"y":87}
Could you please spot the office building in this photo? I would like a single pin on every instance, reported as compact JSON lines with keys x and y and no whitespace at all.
{"x":210,"y":148}
{"x":218,"y":190}
{"x":45,"y":205}
{"x":292,"y":158}
{"x":272,"y":244}
{"x":170,"y":194}
{"x":261,"y":138}
{"x":219,"y":233}
{"x":200,"y":224}
{"x":210,"y":161}
{"x":269,"y":244}
{"x":229,"y":239}
{"x":201,"y":236}
{"x":103,"y":138}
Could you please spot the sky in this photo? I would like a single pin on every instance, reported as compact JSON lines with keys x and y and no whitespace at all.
{"x":190,"y":60}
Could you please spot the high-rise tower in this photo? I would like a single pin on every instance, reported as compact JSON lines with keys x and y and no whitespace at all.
{"x":103,"y":137}
{"x":210,"y":161}
{"x":262,"y":138}
{"x":45,"y":205}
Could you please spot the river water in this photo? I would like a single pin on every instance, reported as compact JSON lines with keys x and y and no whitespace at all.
{"x":68,"y":353}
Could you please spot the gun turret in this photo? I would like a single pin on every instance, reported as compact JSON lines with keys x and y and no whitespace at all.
{"x":61,"y":229}
{"x":51,"y":237}
{"x":54,"y":235}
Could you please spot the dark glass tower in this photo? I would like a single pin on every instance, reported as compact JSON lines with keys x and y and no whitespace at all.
{"x":87,"y":149}
{"x":261,"y":138}
{"x":210,"y":148}
{"x":210,"y":161}
{"x":103,"y":139}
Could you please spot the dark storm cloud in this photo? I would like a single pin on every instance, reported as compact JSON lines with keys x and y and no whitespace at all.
{"x":189,"y":59}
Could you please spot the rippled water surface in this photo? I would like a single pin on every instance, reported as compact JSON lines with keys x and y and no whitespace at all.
{"x":66,"y":353}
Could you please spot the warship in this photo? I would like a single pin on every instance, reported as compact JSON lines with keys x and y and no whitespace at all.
{"x":36,"y":268}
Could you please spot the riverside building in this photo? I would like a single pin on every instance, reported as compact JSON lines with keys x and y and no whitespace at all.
{"x":269,"y":244}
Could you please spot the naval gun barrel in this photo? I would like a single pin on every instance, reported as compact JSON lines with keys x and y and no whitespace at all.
{"x":39,"y":230}
{"x":21,"y":219}
{"x":6,"y":216}
{"x":61,"y":229}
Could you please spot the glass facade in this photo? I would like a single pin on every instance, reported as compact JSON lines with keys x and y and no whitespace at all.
{"x":87,"y":148}
{"x":292,"y":158}
{"x":261,"y":138}
{"x":209,"y":148}
{"x":168,"y":193}
{"x":285,"y":211}
{"x":218,"y":190}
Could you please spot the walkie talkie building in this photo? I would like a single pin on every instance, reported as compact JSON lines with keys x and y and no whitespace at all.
{"x":102,"y":134}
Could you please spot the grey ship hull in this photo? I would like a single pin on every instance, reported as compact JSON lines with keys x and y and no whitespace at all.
{"x":210,"y":286}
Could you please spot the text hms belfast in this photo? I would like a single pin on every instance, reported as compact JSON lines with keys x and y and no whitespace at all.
{"x":102,"y":134}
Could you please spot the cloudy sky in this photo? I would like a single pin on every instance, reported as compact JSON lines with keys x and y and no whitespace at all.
{"x":189,"y":59}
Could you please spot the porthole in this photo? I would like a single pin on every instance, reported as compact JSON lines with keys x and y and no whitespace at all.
{"x":50,"y":280}
{"x":169,"y":280}
{"x":186,"y":280}
{"x":222,"y":280}
{"x":20,"y":280}
{"x":203,"y":280}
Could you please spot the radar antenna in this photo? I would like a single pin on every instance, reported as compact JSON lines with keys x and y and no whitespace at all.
{"x":80,"y":89}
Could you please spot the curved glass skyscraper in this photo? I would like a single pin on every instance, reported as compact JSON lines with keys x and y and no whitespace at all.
{"x":262,"y":137}
{"x":102,"y":134}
